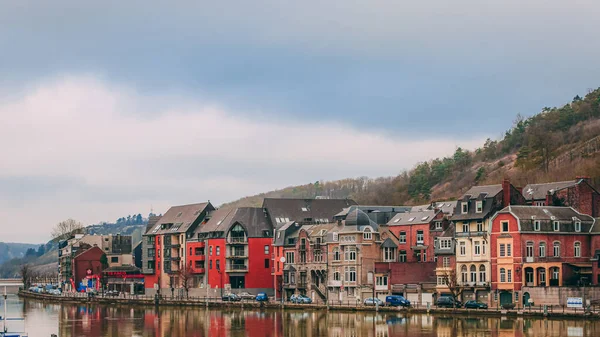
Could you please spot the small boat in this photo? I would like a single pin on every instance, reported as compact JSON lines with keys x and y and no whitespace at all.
{"x":4,"y":332}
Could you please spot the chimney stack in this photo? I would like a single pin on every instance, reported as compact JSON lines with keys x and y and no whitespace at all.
{"x":549,"y":198}
{"x":505,"y":192}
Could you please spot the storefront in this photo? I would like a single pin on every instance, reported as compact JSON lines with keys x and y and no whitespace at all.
{"x":124,"y":279}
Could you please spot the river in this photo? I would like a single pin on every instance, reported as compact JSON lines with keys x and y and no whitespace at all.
{"x":43,"y":319}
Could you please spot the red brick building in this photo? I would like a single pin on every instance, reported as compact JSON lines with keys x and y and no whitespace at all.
{"x":539,"y":246}
{"x":578,"y":193}
{"x":416,"y":233}
{"x":87,"y":267}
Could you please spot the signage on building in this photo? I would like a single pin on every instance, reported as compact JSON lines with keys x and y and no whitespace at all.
{"x":574,"y":302}
{"x":123,"y":274}
{"x":89,"y":272}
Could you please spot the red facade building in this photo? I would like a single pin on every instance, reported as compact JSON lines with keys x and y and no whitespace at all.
{"x":539,"y":246}
{"x":416,"y":233}
{"x":87,"y":267}
{"x":578,"y":193}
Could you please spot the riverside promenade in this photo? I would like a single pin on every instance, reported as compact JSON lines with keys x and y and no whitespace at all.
{"x":168,"y":301}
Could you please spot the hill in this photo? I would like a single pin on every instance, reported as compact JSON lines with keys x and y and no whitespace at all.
{"x":555,"y":144}
{"x":9,"y":250}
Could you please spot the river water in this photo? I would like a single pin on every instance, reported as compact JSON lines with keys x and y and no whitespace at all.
{"x":43,"y":319}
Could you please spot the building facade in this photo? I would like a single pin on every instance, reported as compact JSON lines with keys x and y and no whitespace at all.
{"x":578,"y":193}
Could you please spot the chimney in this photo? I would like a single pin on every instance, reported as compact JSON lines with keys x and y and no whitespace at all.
{"x":505,"y":192}
{"x":549,"y":198}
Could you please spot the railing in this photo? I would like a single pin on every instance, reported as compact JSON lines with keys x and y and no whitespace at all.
{"x":237,"y":254}
{"x":237,"y":267}
{"x":237,"y":240}
{"x":469,"y":234}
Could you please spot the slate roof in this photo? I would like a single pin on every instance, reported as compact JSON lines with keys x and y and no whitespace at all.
{"x":546,"y":215}
{"x":182,"y":217}
{"x":282,"y":231}
{"x":412,"y":218}
{"x":300,"y":210}
{"x":476,"y":191}
{"x":151,"y":223}
{"x":539,"y":191}
{"x":253,"y":219}
{"x":446,"y":206}
{"x":357,"y":220}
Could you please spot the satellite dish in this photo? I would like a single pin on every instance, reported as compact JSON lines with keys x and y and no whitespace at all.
{"x":282,"y":259}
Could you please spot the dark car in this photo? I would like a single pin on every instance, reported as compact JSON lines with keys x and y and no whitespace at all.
{"x":475,"y":305}
{"x":448,"y":302}
{"x":396,"y":301}
{"x":231,"y":298}
{"x":262,"y":297}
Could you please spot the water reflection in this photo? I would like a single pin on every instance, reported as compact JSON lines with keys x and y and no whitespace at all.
{"x":96,"y":320}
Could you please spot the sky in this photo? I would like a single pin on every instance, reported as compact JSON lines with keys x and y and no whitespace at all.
{"x":111,"y":108}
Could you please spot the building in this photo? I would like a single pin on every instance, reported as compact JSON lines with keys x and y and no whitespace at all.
{"x":170,"y":235}
{"x":578,"y":193}
{"x":149,"y":247}
{"x":87,"y":269}
{"x":539,"y":246}
{"x":416,"y":232}
{"x":238,"y":242}
{"x":287,"y":215}
{"x":444,"y":250}
{"x":124,"y":279}
{"x":472,"y":224}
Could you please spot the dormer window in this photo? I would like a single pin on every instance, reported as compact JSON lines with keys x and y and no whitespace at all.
{"x":465,"y":207}
{"x":537,"y":225}
{"x":479,"y":206}
{"x":438,"y":225}
{"x":367,"y":235}
{"x":577,"y":226}
{"x":556,"y":226}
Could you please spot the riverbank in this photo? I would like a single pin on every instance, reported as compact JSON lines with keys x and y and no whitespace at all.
{"x":79,"y":298}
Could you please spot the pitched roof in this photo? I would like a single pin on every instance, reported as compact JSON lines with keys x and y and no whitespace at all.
{"x":546,"y":215}
{"x":253,"y":219}
{"x":539,"y":191}
{"x":181,"y":217}
{"x":486,"y":190}
{"x":300,"y":210}
{"x":152,"y":220}
{"x":411,"y":218}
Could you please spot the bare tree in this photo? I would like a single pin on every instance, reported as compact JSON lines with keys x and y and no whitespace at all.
{"x":450,"y":278}
{"x":27,"y":275}
{"x":65,"y":228}
{"x":186,"y":278}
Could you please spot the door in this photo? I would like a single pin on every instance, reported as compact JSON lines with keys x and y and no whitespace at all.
{"x":505,"y":298}
{"x":426,"y":298}
{"x":526,"y":299}
{"x":412,"y":297}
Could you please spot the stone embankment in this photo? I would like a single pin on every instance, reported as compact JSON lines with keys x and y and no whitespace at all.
{"x":141,"y":300}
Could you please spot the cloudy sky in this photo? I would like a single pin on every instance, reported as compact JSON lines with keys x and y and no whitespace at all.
{"x":107,"y":109}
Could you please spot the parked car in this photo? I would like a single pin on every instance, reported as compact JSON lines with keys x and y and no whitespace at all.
{"x":231,"y":298}
{"x":396,"y":301}
{"x":475,"y":305}
{"x":246,"y":296}
{"x":373,"y":301}
{"x":448,"y":302}
{"x":112,"y":293}
{"x":300,"y":299}
{"x":54,"y":292}
{"x":262,"y":297}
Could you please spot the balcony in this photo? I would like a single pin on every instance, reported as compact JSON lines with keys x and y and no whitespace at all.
{"x":172,"y":245}
{"x":198,"y":270}
{"x":236,"y":268}
{"x":237,"y":254}
{"x":333,"y":283}
{"x":237,"y":240}
{"x":302,"y":284}
{"x":469,"y":234}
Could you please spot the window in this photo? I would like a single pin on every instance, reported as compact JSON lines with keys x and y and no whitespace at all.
{"x":336,"y":276}
{"x":218,"y":250}
{"x":210,"y":250}
{"x":336,"y":254}
{"x":150,"y":264}
{"x":502,"y":249}
{"x":542,"y":276}
{"x":350,"y":254}
{"x":335,"y":237}
{"x":114,"y":259}
{"x":578,"y":226}
{"x":556,"y":246}
{"x":438,"y":225}
{"x":150,"y":240}
{"x":367,"y":235}
{"x":420,"y":236}
{"x":537,"y":225}
{"x":218,"y":265}
{"x":482,"y":273}
{"x":555,"y":273}
{"x":210,"y":264}
{"x":463,"y":248}
{"x":402,"y":238}
{"x":463,"y":274}
{"x":542,"y":249}
{"x":151,"y":252}
{"x":350,"y":274}
{"x":478,"y":206}
{"x":504,"y":226}
{"x":465,"y":227}
{"x":529,"y":249}
{"x":577,"y":249}
{"x":473,"y":274}
{"x":442,"y":281}
{"x":480,"y":226}
{"x":289,"y":257}
{"x":446,"y":262}
{"x":509,"y":273}
{"x":477,"y":247}
{"x":381,"y":281}
{"x":508,"y":249}
{"x":556,"y":226}
{"x":402,"y":256}
{"x":502,"y":275}
{"x":266,"y":263}
{"x":483,"y":249}
{"x":389,"y":254}
{"x":464,"y":207}
{"x":199,"y":251}
{"x":266,"y":250}
{"x":445,"y":243}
